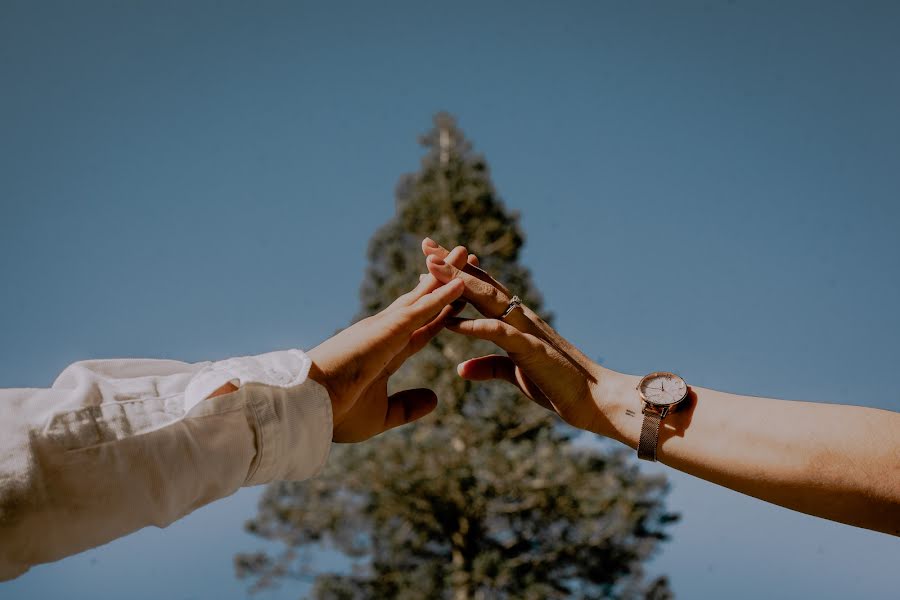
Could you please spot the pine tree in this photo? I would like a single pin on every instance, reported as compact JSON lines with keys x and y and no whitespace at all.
{"x":490,"y":496}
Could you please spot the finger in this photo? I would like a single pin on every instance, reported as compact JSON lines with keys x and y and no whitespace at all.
{"x":458,"y":306}
{"x":551,"y":336}
{"x":491,"y":301}
{"x":544,"y":365}
{"x":429,"y":244}
{"x":409,"y":405}
{"x":423,"y":335}
{"x":493,"y":330}
{"x":427,"y":283}
{"x":432,"y":248}
{"x":476,"y":271}
{"x":462,"y":260}
{"x":489,"y":367}
{"x":457,"y":257}
{"x":495,"y":366}
{"x":486,"y":298}
{"x":523,"y":319}
{"x":427,"y":307}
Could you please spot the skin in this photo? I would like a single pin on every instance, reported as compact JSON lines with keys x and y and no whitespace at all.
{"x":356,"y":364}
{"x":834,"y":461}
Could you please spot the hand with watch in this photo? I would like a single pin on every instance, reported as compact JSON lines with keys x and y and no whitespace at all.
{"x":770,"y":451}
{"x":548,"y":368}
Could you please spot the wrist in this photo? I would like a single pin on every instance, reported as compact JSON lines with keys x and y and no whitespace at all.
{"x":616,"y":399}
{"x":320,"y":376}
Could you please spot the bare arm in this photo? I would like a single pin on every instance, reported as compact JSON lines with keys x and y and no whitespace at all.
{"x":833,"y":461}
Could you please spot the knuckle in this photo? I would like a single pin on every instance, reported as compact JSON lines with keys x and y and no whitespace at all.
{"x":547,"y":351}
{"x":498,"y":297}
{"x":401,"y":320}
{"x":533,"y":342}
{"x":409,"y":313}
{"x":420,"y":304}
{"x":495,"y":328}
{"x":402,"y":299}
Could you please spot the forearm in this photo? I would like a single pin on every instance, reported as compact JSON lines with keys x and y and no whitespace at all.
{"x":833,"y":461}
{"x":837,"y":462}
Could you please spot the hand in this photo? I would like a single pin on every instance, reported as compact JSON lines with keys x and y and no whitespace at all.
{"x":540,"y":362}
{"x":355,"y":365}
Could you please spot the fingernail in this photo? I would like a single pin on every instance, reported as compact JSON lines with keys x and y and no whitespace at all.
{"x":430,"y":243}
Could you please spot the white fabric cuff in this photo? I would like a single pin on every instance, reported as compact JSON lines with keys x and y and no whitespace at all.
{"x":290,"y":413}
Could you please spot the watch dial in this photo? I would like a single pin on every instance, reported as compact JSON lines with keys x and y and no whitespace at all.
{"x":663,"y":388}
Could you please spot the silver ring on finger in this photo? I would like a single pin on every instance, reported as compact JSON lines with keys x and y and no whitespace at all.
{"x":514,"y":303}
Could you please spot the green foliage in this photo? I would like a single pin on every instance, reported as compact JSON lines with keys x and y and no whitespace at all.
{"x":490,"y":496}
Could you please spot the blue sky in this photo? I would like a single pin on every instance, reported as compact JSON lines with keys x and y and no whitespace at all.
{"x":198,"y":180}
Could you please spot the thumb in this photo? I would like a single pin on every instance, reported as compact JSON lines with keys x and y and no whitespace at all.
{"x":495,"y":366}
{"x":408,"y":406}
{"x":488,"y":367}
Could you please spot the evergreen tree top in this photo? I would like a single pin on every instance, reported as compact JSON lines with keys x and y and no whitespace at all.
{"x":488,"y":497}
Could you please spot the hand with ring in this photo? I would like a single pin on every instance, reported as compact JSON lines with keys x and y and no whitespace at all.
{"x":540,"y":362}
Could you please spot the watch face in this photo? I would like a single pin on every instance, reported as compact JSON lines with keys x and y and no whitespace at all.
{"x":662,"y":389}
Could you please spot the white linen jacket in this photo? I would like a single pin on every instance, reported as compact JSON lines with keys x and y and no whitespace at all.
{"x":116,"y":445}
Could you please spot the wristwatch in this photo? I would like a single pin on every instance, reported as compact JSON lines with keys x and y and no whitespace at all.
{"x":661,"y":393}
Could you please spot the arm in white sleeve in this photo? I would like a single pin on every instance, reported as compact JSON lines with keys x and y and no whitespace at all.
{"x":116,"y":445}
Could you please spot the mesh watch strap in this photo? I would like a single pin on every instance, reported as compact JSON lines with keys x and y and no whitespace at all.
{"x":649,"y":436}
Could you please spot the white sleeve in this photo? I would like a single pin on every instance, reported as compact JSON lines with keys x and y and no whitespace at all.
{"x":116,"y":445}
